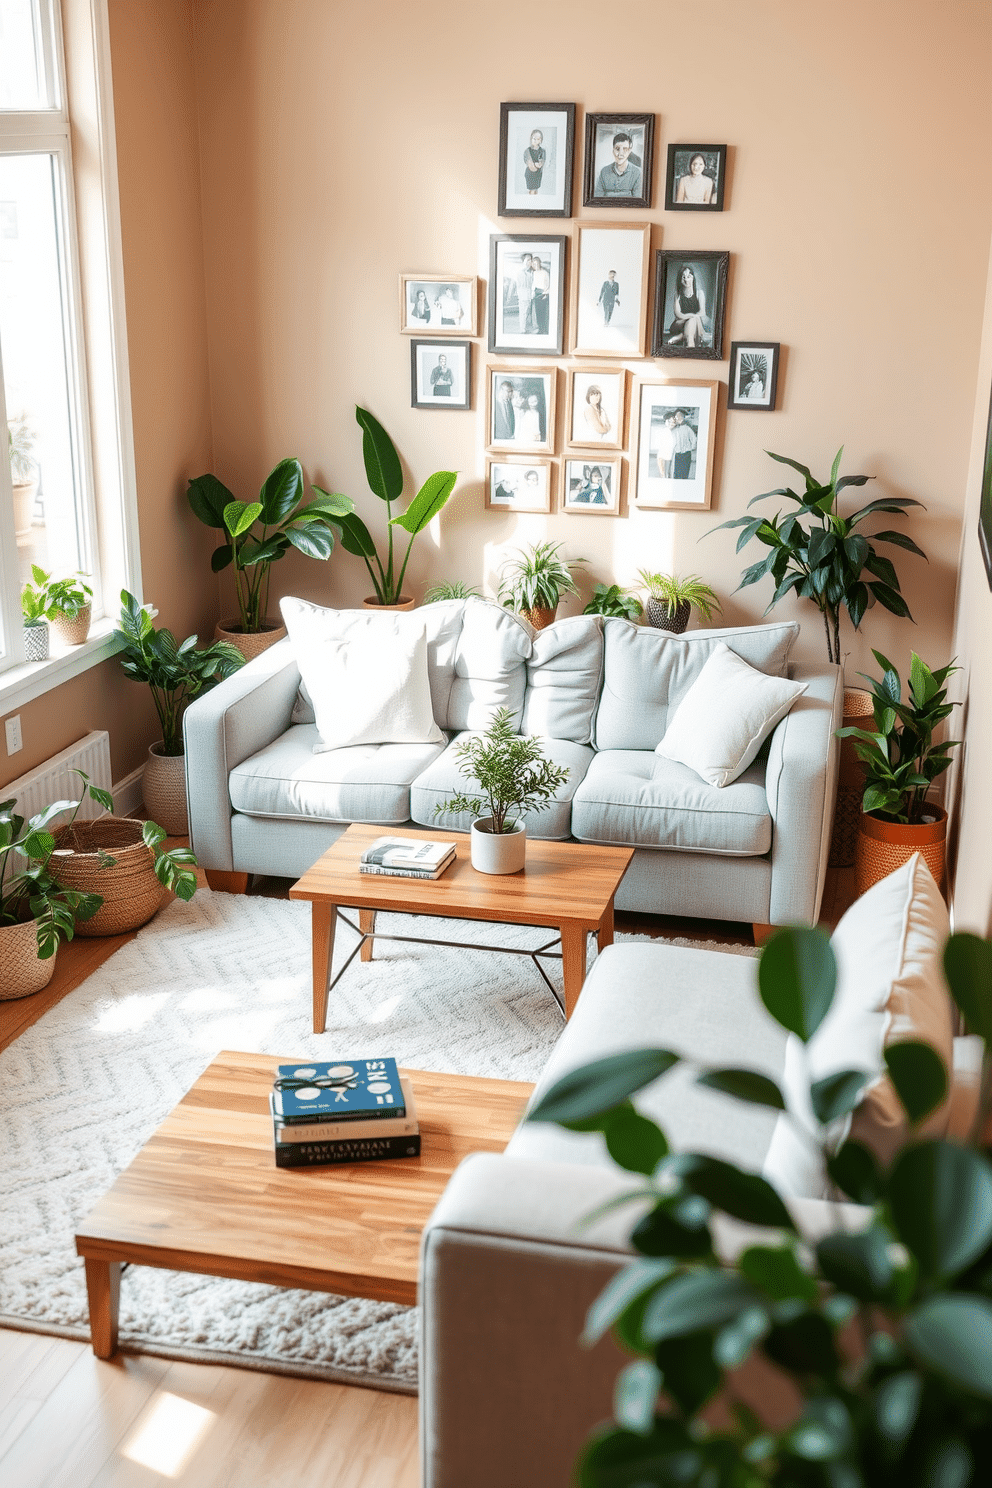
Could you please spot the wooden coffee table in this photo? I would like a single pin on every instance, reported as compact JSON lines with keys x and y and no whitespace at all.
{"x":204,"y":1193}
{"x":567,"y":886}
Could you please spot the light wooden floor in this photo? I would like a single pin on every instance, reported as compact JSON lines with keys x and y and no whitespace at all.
{"x":68,"y":1420}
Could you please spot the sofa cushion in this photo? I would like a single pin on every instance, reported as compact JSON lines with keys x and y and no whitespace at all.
{"x":366,"y":783}
{"x":563,"y":679}
{"x":639,"y":799}
{"x":443,"y":779}
{"x":486,"y":669}
{"x":647,"y":672}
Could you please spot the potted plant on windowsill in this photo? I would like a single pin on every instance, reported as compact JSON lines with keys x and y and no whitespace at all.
{"x":534,"y":581}
{"x":385,"y":477}
{"x":70,"y":609}
{"x":514,"y":776}
{"x":901,"y":762}
{"x":257,"y":534}
{"x":672,"y":599}
{"x":176,"y":673}
{"x":35,"y":610}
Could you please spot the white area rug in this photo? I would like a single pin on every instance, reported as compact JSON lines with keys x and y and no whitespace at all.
{"x":82,"y":1090}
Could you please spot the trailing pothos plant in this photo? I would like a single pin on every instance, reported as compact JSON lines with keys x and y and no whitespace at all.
{"x":827,"y":559}
{"x":884,"y":1330}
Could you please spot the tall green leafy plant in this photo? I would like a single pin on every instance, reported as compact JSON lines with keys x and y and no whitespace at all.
{"x":827,"y":559}
{"x":259,"y":533}
{"x":385,"y":477}
{"x":511,"y":771}
{"x":884,"y":1331}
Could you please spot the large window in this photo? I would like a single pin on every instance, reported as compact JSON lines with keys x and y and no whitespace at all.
{"x":51,"y":328}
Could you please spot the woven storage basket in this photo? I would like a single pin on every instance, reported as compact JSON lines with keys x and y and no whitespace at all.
{"x":163,"y":789}
{"x":131,"y":892}
{"x":72,"y":632}
{"x":858,"y":710}
{"x":882,"y":847}
{"x":21,"y":969}
{"x":252,"y":643}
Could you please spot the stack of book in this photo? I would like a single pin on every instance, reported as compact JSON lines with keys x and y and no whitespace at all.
{"x":357,"y":1110}
{"x":407,"y":857}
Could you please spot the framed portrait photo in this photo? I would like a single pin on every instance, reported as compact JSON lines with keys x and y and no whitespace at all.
{"x":592,"y":487}
{"x":520,"y":409}
{"x":445,"y":306}
{"x":441,"y":374}
{"x":610,"y":289}
{"x":526,"y":294}
{"x":690,"y":301}
{"x":597,"y":405}
{"x":514,"y":483}
{"x":619,"y":160}
{"x":696,"y":180}
{"x":753,"y":375}
{"x":536,"y":148}
{"x":672,"y":444}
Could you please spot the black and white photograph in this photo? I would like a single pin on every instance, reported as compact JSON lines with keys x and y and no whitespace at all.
{"x":596,"y":407}
{"x":445,"y":306}
{"x":690,"y":294}
{"x":536,"y":148}
{"x":592,"y":487}
{"x":526,"y":294}
{"x":696,"y":180}
{"x":518,"y":484}
{"x":610,"y":296}
{"x":673,"y":444}
{"x":619,"y":160}
{"x":440,"y":374}
{"x":520,"y":409}
{"x":753,"y":375}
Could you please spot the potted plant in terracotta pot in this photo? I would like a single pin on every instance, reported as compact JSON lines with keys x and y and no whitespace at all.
{"x":70,"y":609}
{"x":534,"y":581}
{"x":672,"y":599}
{"x":385,"y":477}
{"x":901,"y":762}
{"x":514,"y":776}
{"x":23,"y":473}
{"x":258,"y":533}
{"x":176,"y":672}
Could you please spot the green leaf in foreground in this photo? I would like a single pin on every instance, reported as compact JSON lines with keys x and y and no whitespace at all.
{"x":797,"y":975}
{"x":968,"y":968}
{"x":941,"y":1200}
{"x":745,"y":1196}
{"x":601,"y":1085}
{"x":951,"y":1333}
{"x":917,"y":1072}
{"x":746,"y":1085}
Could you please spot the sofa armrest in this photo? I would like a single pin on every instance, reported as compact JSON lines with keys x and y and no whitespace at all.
{"x":236,"y":719}
{"x":801,"y":785}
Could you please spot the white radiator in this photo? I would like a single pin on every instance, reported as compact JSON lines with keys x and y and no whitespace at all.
{"x":53,"y":779}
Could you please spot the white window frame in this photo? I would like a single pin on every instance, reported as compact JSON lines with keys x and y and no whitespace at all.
{"x":96,"y":339}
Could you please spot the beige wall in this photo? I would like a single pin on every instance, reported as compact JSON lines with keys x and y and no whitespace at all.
{"x":344,"y":143}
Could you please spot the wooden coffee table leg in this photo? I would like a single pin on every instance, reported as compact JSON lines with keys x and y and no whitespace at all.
{"x":323,"y":918}
{"x":366,"y":923}
{"x":604,"y":935}
{"x":573,"y":961}
{"x":103,"y":1289}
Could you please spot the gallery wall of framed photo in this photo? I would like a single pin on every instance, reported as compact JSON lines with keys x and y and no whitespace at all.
{"x":601,"y":305}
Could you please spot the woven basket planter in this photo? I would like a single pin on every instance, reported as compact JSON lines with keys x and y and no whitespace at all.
{"x":72,"y":632}
{"x":405,"y":603}
{"x":22,"y":971}
{"x":540,"y":617}
{"x":163,"y":789}
{"x":858,"y":713}
{"x":131,"y":893}
{"x":663,"y":618}
{"x":249,"y":643}
{"x":883,"y":846}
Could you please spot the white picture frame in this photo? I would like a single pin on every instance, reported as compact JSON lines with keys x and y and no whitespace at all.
{"x":610,"y":289}
{"x":673,"y":470}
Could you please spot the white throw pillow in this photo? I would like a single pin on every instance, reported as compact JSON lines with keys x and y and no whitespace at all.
{"x":366,"y":675}
{"x":726,"y":716}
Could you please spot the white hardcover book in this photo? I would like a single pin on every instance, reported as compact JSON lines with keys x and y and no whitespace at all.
{"x":335,"y":1131}
{"x":408,"y":852}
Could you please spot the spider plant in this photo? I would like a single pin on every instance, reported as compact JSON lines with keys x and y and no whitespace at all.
{"x":671,"y":591}
{"x":536,"y":578}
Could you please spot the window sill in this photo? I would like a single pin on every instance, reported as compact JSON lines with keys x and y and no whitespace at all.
{"x":21,"y":684}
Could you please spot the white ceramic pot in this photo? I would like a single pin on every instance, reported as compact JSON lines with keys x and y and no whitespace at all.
{"x":497,"y":852}
{"x":163,"y":789}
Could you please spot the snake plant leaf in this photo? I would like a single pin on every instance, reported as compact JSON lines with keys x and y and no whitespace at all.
{"x":797,"y":975}
{"x":746,"y":1085}
{"x":282,"y":492}
{"x":599,"y":1086}
{"x":428,"y":502}
{"x":208,"y":497}
{"x":382,"y":463}
{"x":918,"y":1074}
{"x":950,"y":1333}
{"x":940,"y":1196}
{"x":968,"y":968}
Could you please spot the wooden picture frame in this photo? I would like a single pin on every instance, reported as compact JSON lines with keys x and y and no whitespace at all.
{"x":685,"y":180}
{"x":615,"y":175}
{"x":435,"y":365}
{"x":610,"y":288}
{"x":753,"y":381}
{"x":530,"y":186}
{"x":586,"y":416}
{"x":583,"y":494}
{"x":512,"y":425}
{"x":519,"y":323}
{"x":528,"y":495}
{"x":421,"y":293}
{"x":664,"y":478}
{"x":679,"y":331}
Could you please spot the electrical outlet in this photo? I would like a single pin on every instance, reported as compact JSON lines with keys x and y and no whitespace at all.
{"x":13,"y":730}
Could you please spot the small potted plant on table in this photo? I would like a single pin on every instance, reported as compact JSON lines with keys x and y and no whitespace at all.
{"x":534,"y":582}
{"x":672,"y":599}
{"x":514,"y":776}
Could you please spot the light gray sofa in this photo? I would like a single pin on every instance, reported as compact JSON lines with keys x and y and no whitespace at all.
{"x":600,"y":694}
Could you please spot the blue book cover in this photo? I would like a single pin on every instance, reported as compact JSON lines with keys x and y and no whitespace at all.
{"x":345,"y":1090}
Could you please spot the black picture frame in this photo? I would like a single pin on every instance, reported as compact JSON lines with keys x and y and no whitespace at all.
{"x":753,"y":383}
{"x":710,"y":270}
{"x":460,"y":395}
{"x":679,"y":165}
{"x":985,"y":505}
{"x":595,"y":162}
{"x":505,"y":249}
{"x":553,"y":198}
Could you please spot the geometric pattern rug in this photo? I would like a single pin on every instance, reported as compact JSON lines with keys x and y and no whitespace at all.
{"x":83,"y":1088}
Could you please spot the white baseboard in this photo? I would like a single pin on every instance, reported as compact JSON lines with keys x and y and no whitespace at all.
{"x":127,"y":793}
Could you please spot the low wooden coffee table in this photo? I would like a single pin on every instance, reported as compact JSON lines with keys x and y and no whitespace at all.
{"x":204,"y":1193}
{"x":567,"y":886}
